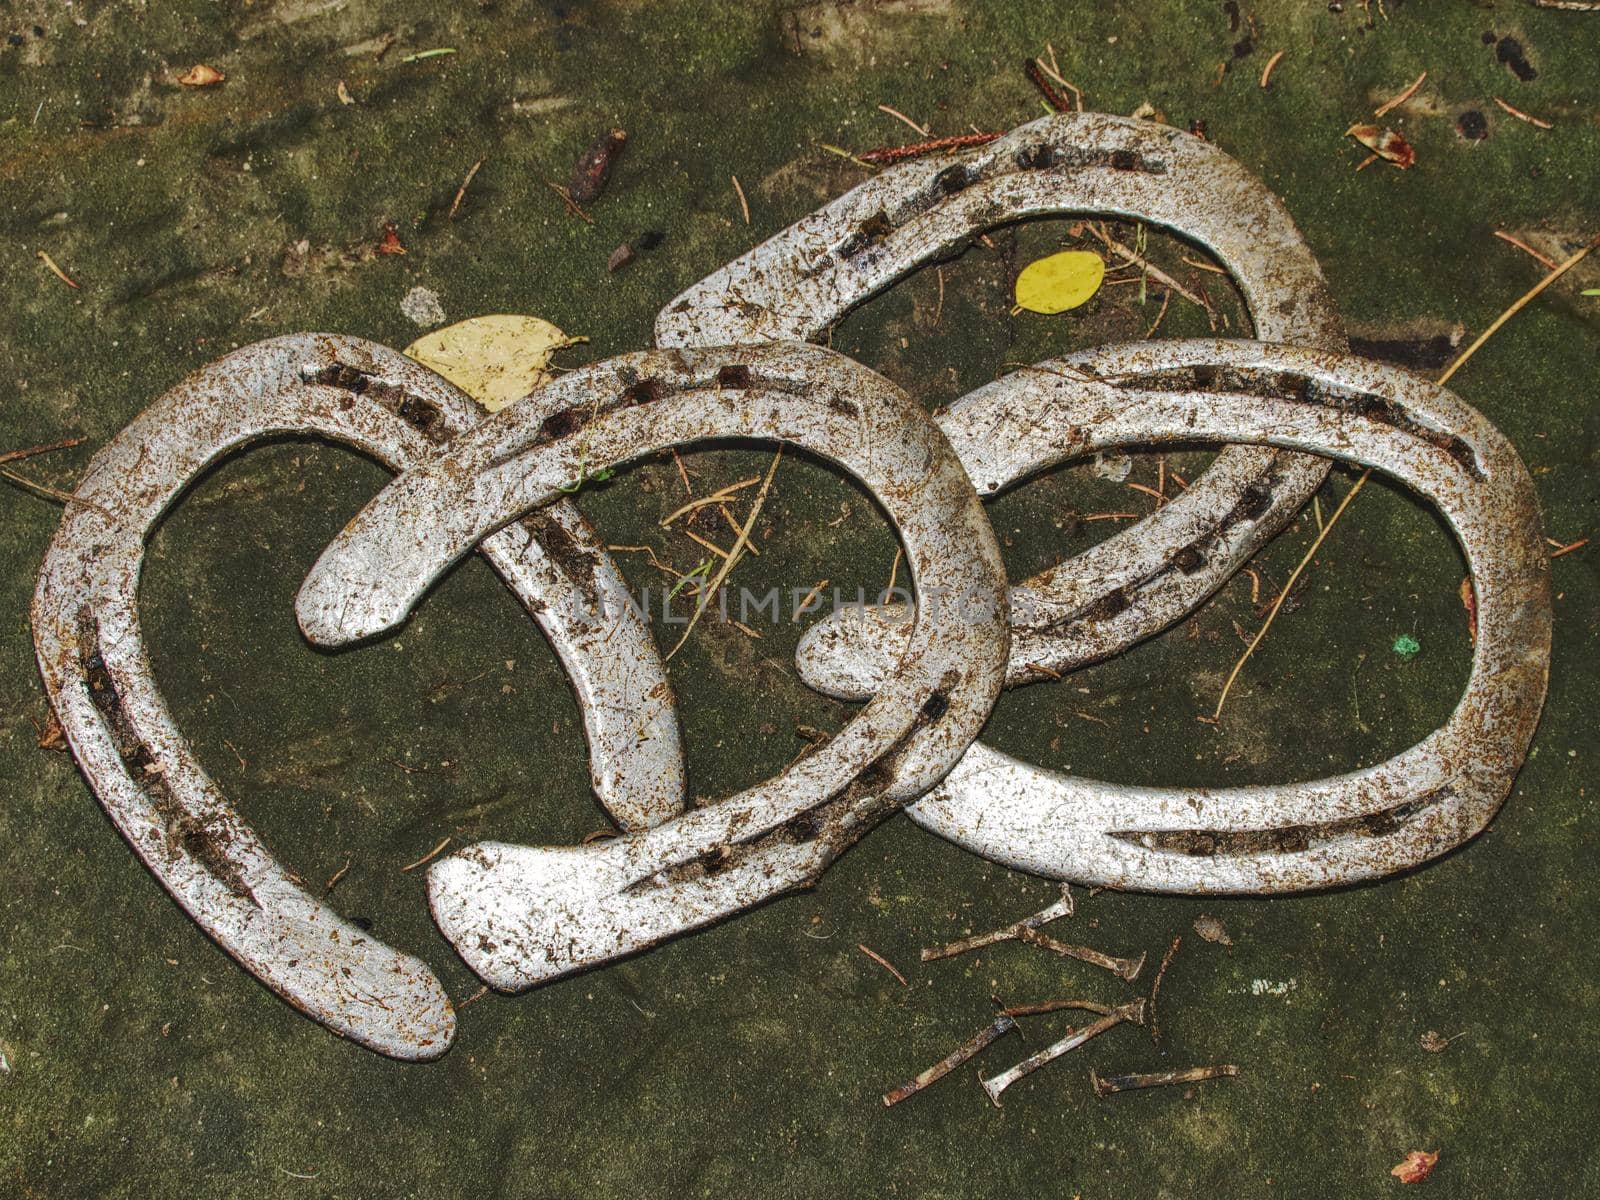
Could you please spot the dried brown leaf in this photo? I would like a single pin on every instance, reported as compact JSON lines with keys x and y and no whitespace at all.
{"x":52,"y":736}
{"x":201,"y":75}
{"x":1418,"y":1165}
{"x":1385,"y":143}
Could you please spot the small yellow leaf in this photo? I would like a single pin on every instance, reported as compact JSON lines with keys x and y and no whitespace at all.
{"x":1061,"y":281}
{"x":494,"y":359}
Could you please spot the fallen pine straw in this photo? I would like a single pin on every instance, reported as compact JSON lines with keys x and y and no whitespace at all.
{"x":733,"y":555}
{"x":1522,"y":302}
{"x":1396,"y":101}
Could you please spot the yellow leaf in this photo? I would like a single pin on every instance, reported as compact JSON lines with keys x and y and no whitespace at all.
{"x":495,"y":359}
{"x":1061,"y":281}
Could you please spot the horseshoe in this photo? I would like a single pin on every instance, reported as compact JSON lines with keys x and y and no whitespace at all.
{"x":1361,"y":825}
{"x":99,"y":680}
{"x":804,"y":279}
{"x":523,"y":915}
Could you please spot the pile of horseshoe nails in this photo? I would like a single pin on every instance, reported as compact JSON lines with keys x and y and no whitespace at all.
{"x":734,"y":359}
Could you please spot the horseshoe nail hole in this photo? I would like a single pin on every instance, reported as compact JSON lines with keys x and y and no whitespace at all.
{"x":645,"y":391}
{"x":1036,"y":158}
{"x":1283,"y":839}
{"x":1106,"y":607}
{"x":807,"y":827}
{"x":734,"y":376}
{"x":579,"y":565}
{"x":562,"y":423}
{"x":951,"y":180}
{"x":421,"y":414}
{"x":1255,"y":500}
{"x":869,"y":233}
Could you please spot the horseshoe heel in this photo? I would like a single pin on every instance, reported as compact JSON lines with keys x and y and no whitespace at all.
{"x":1362,"y":825}
{"x":804,"y":279}
{"x":99,"y":680}
{"x":524,"y":915}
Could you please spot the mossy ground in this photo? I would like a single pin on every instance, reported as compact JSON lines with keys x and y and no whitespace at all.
{"x":138,"y":1061}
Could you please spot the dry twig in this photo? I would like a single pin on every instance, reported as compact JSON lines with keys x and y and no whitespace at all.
{"x":733,"y":555}
{"x":428,"y":857}
{"x":1110,"y":1085}
{"x":57,"y":271}
{"x":461,"y":192}
{"x":1266,"y":73}
{"x":922,"y":130}
{"x":1396,"y":101}
{"x":1522,"y":116}
{"x":894,"y":154}
{"x":1550,"y":263}
{"x":883,"y":962}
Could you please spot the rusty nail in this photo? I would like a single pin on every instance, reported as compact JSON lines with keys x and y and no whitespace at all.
{"x":978,"y":1042}
{"x":1110,"y":1085}
{"x":1123,"y":968}
{"x":1133,"y":1011}
{"x":1061,"y":908}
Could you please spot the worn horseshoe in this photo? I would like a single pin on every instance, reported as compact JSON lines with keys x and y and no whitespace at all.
{"x":805,"y":278}
{"x":523,"y":915}
{"x":99,"y":679}
{"x":1362,"y":825}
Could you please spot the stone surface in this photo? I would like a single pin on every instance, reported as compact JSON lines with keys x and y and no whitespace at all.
{"x":749,"y":1059}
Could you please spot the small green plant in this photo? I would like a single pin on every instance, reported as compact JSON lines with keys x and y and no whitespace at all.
{"x":699,"y":573}
{"x":585,"y":476}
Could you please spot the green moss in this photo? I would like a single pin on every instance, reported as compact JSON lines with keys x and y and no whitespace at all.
{"x":750,"y":1058}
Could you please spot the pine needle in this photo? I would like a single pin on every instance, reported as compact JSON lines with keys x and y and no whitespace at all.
{"x":733,"y":555}
{"x":1521,"y":303}
{"x":1284,"y":594}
